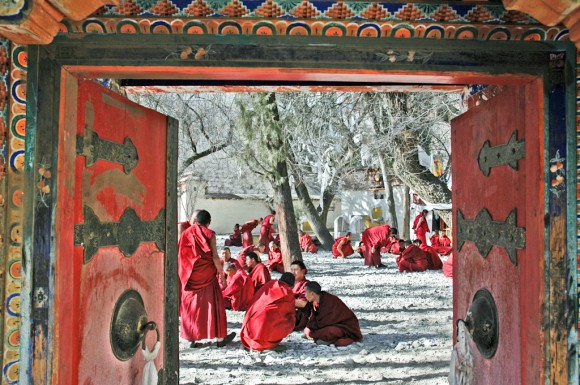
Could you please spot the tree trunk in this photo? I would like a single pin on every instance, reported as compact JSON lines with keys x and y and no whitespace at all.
{"x":289,"y":242}
{"x":326,"y":201}
{"x":391,"y":214}
{"x":314,"y":218}
{"x":405,"y":234}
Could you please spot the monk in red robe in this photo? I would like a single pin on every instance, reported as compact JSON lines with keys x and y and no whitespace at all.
{"x":246,"y":230}
{"x":271,"y":317}
{"x":298,"y":269}
{"x":448,"y":266}
{"x":275,"y":262}
{"x":394,"y":242}
{"x":239,"y":291}
{"x":420,"y":226}
{"x":373,"y":239}
{"x":441,"y":243}
{"x":306,"y":243}
{"x":267,"y":230}
{"x":201,"y":308}
{"x":342,"y":247}
{"x":331,"y":321}
{"x":235,"y":239}
{"x":258,"y":249}
{"x":225,"y":258}
{"x":433,"y":260}
{"x":412,"y":258}
{"x":258,"y":271}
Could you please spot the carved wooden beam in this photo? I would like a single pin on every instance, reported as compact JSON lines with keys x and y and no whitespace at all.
{"x":37,"y":21}
{"x":551,"y":12}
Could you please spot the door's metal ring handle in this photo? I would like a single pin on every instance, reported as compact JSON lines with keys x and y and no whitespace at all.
{"x":151,"y":325}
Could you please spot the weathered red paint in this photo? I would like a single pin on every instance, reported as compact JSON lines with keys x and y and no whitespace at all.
{"x":86,"y":293}
{"x":518,"y":290}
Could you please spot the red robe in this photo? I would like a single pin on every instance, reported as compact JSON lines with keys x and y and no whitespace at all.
{"x":395,"y":247}
{"x":271,"y":317}
{"x":307,"y":244}
{"x":201,"y":309}
{"x":242,"y":255}
{"x":235,"y":239}
{"x":441,"y":245}
{"x":434,"y":262}
{"x":275,"y":262}
{"x":239,"y":292}
{"x":332,"y":321}
{"x":246,"y":230}
{"x":266,"y":232}
{"x":303,"y":313}
{"x":421,"y":229}
{"x":448,"y":266}
{"x":236,"y":264}
{"x":346,"y":247}
{"x":260,"y":276}
{"x":374,"y":238}
{"x":412,"y":259}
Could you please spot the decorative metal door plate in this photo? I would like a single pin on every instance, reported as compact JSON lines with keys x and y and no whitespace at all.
{"x":485,"y":233}
{"x":95,"y":148}
{"x":509,"y":153}
{"x":127,"y":234}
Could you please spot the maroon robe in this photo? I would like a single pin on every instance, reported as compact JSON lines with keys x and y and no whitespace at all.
{"x":270,"y":318}
{"x":235,"y":239}
{"x":239,"y":292}
{"x":260,"y":276}
{"x":421,"y":229}
{"x":242,"y":255}
{"x":346,"y":248}
{"x":441,"y":245}
{"x":434,"y":262}
{"x":246,"y":230}
{"x":332,"y":321}
{"x":201,"y":308}
{"x":275,"y":262}
{"x":412,"y":259}
{"x":302,"y":313}
{"x":374,"y":238}
{"x":266,"y":232}
{"x":307,"y":244}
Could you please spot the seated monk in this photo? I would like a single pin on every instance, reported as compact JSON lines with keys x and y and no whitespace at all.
{"x":448,"y":266}
{"x":258,"y":271}
{"x":412,"y":258}
{"x":342,"y":247}
{"x":275,"y":262}
{"x":441,"y":243}
{"x":306,"y":243}
{"x":239,"y":290}
{"x":270,"y":318}
{"x":259,"y":249}
{"x":225,"y":258}
{"x":246,"y":230}
{"x":298,"y":269}
{"x":434,"y":262}
{"x":235,"y":238}
{"x":330,"y":321}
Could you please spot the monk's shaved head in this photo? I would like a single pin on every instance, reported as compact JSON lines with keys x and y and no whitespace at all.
{"x":203,"y":217}
{"x":314,"y":287}
{"x":229,"y":266}
{"x":287,"y":278}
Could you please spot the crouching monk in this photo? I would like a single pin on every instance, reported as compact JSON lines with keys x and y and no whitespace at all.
{"x":412,"y":258}
{"x":202,"y":309}
{"x":331,"y":321}
{"x":240,"y":289}
{"x":342,"y":247}
{"x":271,"y":317}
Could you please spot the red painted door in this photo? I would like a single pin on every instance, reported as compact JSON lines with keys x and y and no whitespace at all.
{"x":498,"y":207}
{"x":113,"y":216}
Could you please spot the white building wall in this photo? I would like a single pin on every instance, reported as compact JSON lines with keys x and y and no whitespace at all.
{"x":363,"y":202}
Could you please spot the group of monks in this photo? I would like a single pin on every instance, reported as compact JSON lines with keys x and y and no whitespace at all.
{"x":274,"y":308}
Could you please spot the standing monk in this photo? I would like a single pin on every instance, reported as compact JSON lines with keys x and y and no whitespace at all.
{"x":246,"y":230}
{"x":331,"y":321}
{"x":258,"y":271}
{"x":267,"y":231}
{"x":420,"y":226}
{"x":441,"y":243}
{"x":342,"y":247}
{"x":298,"y":269}
{"x":202,"y":310}
{"x":270,"y":319}
{"x":373,"y":239}
{"x":235,"y":238}
{"x":306,"y":243}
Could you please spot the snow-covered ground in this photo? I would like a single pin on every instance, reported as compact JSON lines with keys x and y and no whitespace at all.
{"x":405,"y":318}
